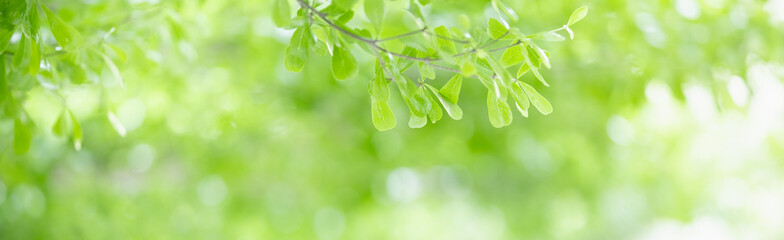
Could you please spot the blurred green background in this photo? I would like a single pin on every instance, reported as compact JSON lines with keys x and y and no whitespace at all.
{"x":668,"y":124}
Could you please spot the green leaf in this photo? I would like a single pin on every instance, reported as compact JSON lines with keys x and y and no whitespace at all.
{"x":444,"y":41}
{"x":537,"y":100}
{"x":383,"y":118}
{"x":512,"y":55}
{"x":424,"y":2}
{"x":297,"y":52}
{"x":496,"y":29}
{"x":451,"y":90}
{"x":500,"y":7}
{"x":435,"y":113}
{"x":64,"y":33}
{"x":379,"y":89}
{"x":374,"y":9}
{"x":345,"y":17}
{"x":427,"y":71}
{"x":20,"y":52}
{"x":343,"y":63}
{"x":498,"y":111}
{"x":281,"y":13}
{"x":61,"y":126}
{"x":415,"y":121}
{"x":5,"y":38}
{"x":77,"y":132}
{"x":22,"y":137}
{"x":520,"y":98}
{"x":578,"y":15}
{"x":451,"y":108}
{"x":468,"y":68}
{"x":420,"y":105}
{"x":35,"y":57}
{"x":34,"y":20}
{"x":523,"y":69}
{"x":416,"y":12}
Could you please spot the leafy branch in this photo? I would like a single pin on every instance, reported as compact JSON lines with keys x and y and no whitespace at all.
{"x":469,"y":55}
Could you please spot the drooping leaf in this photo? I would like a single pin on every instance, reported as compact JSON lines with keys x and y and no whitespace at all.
{"x":112,"y":68}
{"x":427,"y":71}
{"x":297,"y":52}
{"x":416,"y":12}
{"x":374,"y":10}
{"x":383,"y":118}
{"x":435,"y":113}
{"x":379,"y":89}
{"x":451,"y":90}
{"x":451,"y":108}
{"x":118,"y":52}
{"x":415,"y":121}
{"x":22,"y":137}
{"x":343,"y":63}
{"x":537,"y":99}
{"x":61,"y":126}
{"x":550,"y":36}
{"x":496,"y":29}
{"x":520,"y":98}
{"x":420,"y":105}
{"x":77,"y":132}
{"x":498,"y":111}
{"x":281,"y":13}
{"x":468,"y":68}
{"x":20,"y":52}
{"x":34,"y":20}
{"x":578,"y":15}
{"x":35,"y":57}
{"x":64,"y":33}
{"x":523,"y":69}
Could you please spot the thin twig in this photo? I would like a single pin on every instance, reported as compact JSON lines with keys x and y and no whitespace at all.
{"x":402,"y":35}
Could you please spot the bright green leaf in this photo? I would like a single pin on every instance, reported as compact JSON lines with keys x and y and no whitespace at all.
{"x":496,"y":29}
{"x":374,"y":10}
{"x":451,"y":108}
{"x":61,"y":126}
{"x":20,"y":52}
{"x":537,"y":100}
{"x":383,"y":118}
{"x":578,"y":15}
{"x":512,"y":55}
{"x":116,"y":124}
{"x":451,"y":90}
{"x":520,"y":98}
{"x":281,"y":13}
{"x":77,"y":132}
{"x":415,"y":121}
{"x":550,"y":36}
{"x":444,"y":41}
{"x":503,"y":9}
{"x":435,"y":113}
{"x":5,"y":38}
{"x":297,"y":52}
{"x":343,"y":63}
{"x":113,"y":69}
{"x":345,"y":4}
{"x":498,"y":111}
{"x":35,"y":57}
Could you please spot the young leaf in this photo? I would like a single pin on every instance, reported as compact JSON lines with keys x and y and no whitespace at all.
{"x":415,"y":121}
{"x":35,"y":57}
{"x":496,"y":29}
{"x":523,"y":69}
{"x":427,"y":71}
{"x":444,"y":41}
{"x":435,"y":113}
{"x":21,"y":137}
{"x":60,"y":127}
{"x":451,"y":108}
{"x":420,"y":105}
{"x":116,"y":124}
{"x":577,"y":15}
{"x":520,"y":98}
{"x":374,"y":9}
{"x":498,"y":111}
{"x":77,"y":132}
{"x":468,"y":68}
{"x":343,"y":63}
{"x":118,"y":52}
{"x":64,"y":33}
{"x":379,"y":89}
{"x":281,"y":13}
{"x":451,"y":90}
{"x":537,"y":100}
{"x":383,"y":118}
{"x":345,"y":17}
{"x":512,"y":55}
{"x":297,"y":52}
{"x":32,"y":18}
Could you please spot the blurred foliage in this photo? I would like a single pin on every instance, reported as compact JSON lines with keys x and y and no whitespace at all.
{"x":668,"y":124}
